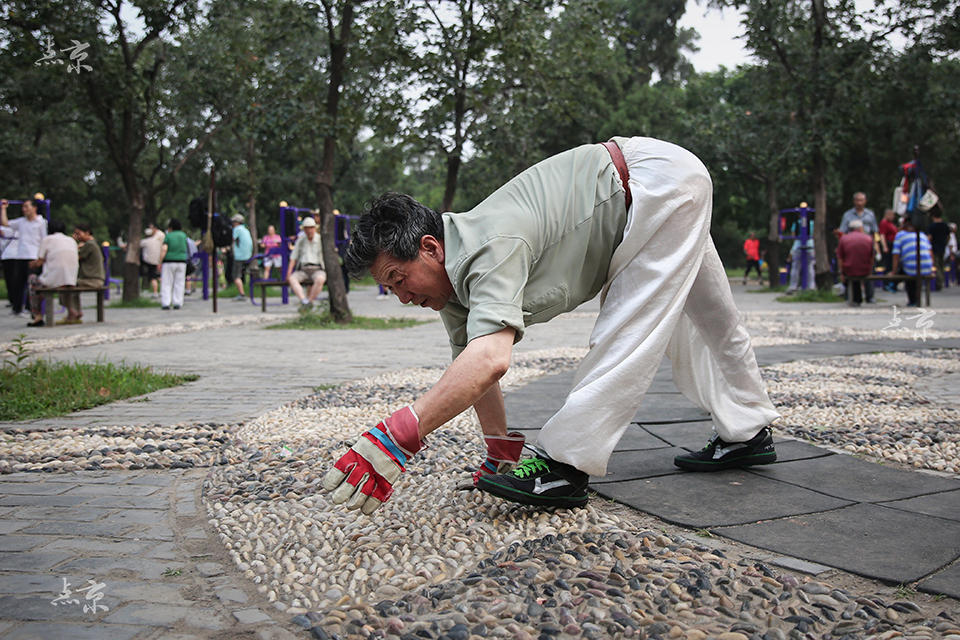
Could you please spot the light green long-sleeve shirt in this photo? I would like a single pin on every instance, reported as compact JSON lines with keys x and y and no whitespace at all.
{"x":538,"y":246}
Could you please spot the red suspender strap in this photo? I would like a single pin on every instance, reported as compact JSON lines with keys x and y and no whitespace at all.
{"x":621,"y":164}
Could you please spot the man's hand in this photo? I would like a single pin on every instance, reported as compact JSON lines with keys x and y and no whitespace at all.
{"x":363,"y":478}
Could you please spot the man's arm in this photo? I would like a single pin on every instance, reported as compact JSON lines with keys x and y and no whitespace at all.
{"x":467,"y":382}
{"x":3,"y":214}
{"x":491,"y":412}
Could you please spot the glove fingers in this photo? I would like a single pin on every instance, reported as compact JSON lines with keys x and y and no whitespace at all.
{"x":370,"y":505}
{"x":357,"y":498}
{"x":344,"y":492}
{"x":333,"y":478}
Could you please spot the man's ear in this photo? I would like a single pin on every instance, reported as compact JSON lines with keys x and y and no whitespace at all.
{"x":432,"y":247}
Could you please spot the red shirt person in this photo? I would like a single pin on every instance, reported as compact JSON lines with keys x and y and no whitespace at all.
{"x":855,"y":257}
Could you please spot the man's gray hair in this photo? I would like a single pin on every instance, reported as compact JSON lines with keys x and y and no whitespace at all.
{"x":856,"y":224}
{"x":394,"y":224}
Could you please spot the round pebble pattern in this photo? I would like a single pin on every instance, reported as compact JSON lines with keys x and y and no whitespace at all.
{"x":872,"y":405}
{"x":437,"y":562}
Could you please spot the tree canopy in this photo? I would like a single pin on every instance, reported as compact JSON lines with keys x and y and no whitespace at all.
{"x":117,"y":109}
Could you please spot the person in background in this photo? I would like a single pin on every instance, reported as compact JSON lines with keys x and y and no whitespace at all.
{"x":751,"y":250}
{"x":150,"y":257}
{"x":193,"y":263}
{"x":8,"y":249}
{"x":905,"y":258}
{"x":307,"y":256}
{"x":855,"y":259}
{"x":173,"y":273}
{"x":796,"y":258}
{"x":888,"y":232}
{"x":29,"y":231}
{"x":242,"y":253}
{"x":89,"y":274}
{"x":271,"y":250}
{"x":869,"y":221}
{"x":939,"y":234}
{"x":58,"y":258}
{"x":950,"y":256}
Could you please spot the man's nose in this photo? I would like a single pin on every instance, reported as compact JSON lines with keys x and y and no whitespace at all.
{"x":403,"y":295}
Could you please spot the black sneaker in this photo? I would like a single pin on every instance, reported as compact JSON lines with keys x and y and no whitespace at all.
{"x":719,"y":455}
{"x":539,"y":481}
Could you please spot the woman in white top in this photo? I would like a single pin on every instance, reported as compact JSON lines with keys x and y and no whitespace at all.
{"x":59,"y":260}
{"x":29,"y":231}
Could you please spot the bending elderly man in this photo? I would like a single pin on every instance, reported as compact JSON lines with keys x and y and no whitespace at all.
{"x":628,"y":219}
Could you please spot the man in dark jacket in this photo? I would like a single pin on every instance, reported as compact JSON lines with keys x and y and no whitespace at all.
{"x":855,"y":257}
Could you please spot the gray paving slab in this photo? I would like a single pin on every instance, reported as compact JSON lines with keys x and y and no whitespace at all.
{"x":129,"y":502}
{"x":21,"y":542}
{"x":631,"y":465}
{"x":67,"y":631}
{"x":63,"y":527}
{"x":854,"y":479}
{"x":164,"y":615}
{"x":689,"y":435}
{"x":10,"y":526}
{"x":113,"y":490}
{"x":866,"y":539}
{"x":36,"y":607}
{"x":42,"y":501}
{"x":86,"y":514}
{"x":789,"y":450}
{"x":657,"y":408}
{"x":33,"y":488}
{"x":126,"y":567}
{"x":636,"y":438}
{"x":98,"y":545}
{"x":703,"y":500}
{"x":946,"y":582}
{"x":943,"y":505}
{"x":31,"y":561}
{"x":134,"y":516}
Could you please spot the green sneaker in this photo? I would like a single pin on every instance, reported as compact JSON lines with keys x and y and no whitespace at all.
{"x":540,"y":482}
{"x":718,"y":455}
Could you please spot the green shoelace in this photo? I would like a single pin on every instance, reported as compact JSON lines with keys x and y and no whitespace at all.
{"x":530,"y":466}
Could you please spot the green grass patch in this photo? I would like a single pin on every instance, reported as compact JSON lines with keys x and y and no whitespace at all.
{"x":140,"y":303}
{"x":365,"y":281}
{"x":812,"y":295}
{"x":42,"y":389}
{"x":325,"y":321}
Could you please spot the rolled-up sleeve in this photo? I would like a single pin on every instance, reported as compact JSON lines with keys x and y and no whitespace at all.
{"x":492,"y":280}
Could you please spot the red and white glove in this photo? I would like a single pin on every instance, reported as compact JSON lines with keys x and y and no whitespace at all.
{"x":503,"y":453}
{"x":363,"y":478}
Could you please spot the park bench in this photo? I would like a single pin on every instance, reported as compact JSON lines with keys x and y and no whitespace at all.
{"x":48,"y":294}
{"x":898,"y":278}
{"x":263,"y":284}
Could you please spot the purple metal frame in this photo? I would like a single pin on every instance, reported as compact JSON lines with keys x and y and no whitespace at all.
{"x":341,"y":231}
{"x":803,"y":237}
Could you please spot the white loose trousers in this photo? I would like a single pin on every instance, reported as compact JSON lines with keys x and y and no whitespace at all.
{"x":666,"y":293}
{"x":173,"y":275}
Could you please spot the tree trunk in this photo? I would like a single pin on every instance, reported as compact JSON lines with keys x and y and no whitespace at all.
{"x":824,"y":276}
{"x":252,"y":193}
{"x":131,"y":263}
{"x":773,"y":234}
{"x":453,"y":170}
{"x":339,"y":306}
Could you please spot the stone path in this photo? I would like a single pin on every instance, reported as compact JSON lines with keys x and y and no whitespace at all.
{"x":813,"y":504}
{"x":117,"y":555}
{"x":143,"y":534}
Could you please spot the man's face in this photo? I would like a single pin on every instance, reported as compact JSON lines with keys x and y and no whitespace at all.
{"x":310,"y":232}
{"x":859,"y":201}
{"x":422,"y":281}
{"x":29,"y":211}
